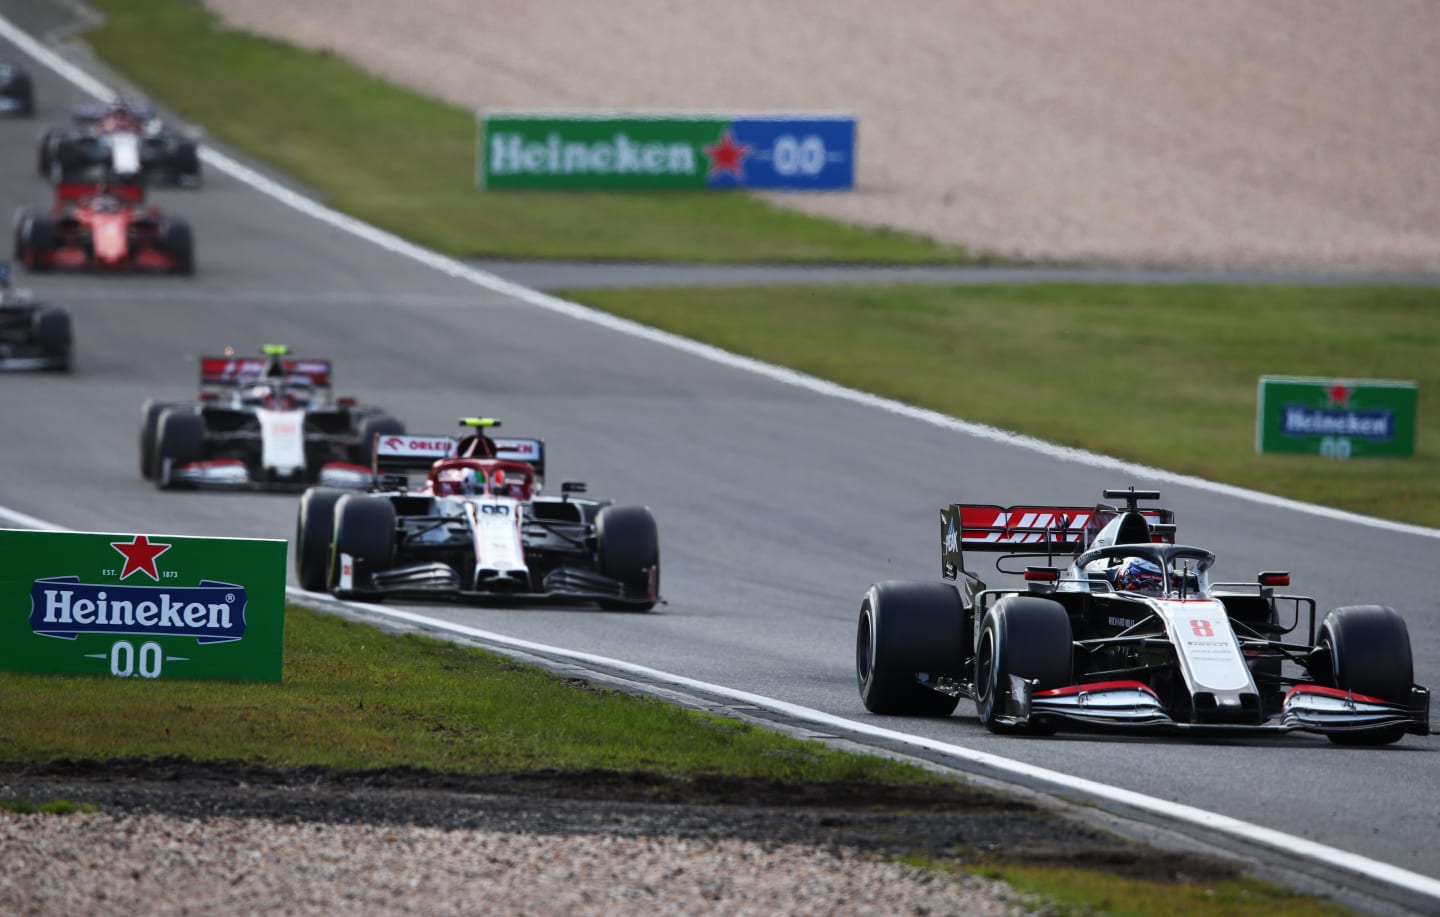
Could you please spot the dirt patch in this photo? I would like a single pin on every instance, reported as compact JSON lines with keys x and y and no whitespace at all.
{"x":947,"y":822}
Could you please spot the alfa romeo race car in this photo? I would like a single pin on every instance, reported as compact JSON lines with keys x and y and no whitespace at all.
{"x":1130,"y":634}
{"x":128,"y":137}
{"x":32,"y":334}
{"x":96,"y":225}
{"x":17,"y":91}
{"x":476,"y":529}
{"x":271,"y":423}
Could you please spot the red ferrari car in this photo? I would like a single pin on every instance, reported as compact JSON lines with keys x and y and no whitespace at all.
{"x":103,"y":226}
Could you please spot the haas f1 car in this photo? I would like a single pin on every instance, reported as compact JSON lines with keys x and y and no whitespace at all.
{"x":128,"y":138}
{"x":271,"y":423}
{"x":97,"y":225}
{"x":32,"y":334}
{"x":477,"y":529}
{"x":1130,"y":634}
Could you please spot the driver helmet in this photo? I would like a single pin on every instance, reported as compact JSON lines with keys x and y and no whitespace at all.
{"x":1136,"y":574}
{"x":453,"y":482}
{"x":258,"y":394}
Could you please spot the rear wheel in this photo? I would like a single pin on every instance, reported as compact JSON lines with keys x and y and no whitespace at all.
{"x":1369,"y":648}
{"x":1025,"y":637}
{"x":364,"y":529}
{"x":44,"y":152}
{"x":629,"y":545}
{"x":371,"y":426}
{"x":908,"y":629}
{"x":314,"y":532}
{"x":179,"y":439}
{"x":54,"y":335}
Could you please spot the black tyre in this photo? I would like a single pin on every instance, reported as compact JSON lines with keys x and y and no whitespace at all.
{"x":629,"y":546}
{"x":180,"y":438}
{"x":186,"y":164}
{"x":23,"y":215}
{"x":150,"y":413}
{"x":45,"y":152}
{"x":23,"y":91}
{"x":1027,"y":637}
{"x":364,"y":529}
{"x":1369,"y":649}
{"x":370,"y":426}
{"x":38,"y":237}
{"x":179,"y":243}
{"x":56,"y":339}
{"x":314,"y":531}
{"x":907,"y":628}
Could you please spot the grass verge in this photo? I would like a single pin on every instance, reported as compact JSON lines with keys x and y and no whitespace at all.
{"x":407,"y":163}
{"x":1165,"y":375}
{"x":356,"y":698}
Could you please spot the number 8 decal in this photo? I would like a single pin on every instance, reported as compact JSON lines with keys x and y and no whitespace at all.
{"x":1202,"y":628}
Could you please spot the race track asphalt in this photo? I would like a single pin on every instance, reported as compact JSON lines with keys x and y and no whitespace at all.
{"x":777,"y":506}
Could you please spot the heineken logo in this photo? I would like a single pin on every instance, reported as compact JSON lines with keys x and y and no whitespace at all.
{"x":64,"y":607}
{"x":1297,"y":420}
{"x":618,"y":154}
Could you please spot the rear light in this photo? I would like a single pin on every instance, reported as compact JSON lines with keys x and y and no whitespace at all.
{"x":347,"y":402}
{"x":209,"y":396}
{"x":1275,"y":579}
{"x":1042,"y":574}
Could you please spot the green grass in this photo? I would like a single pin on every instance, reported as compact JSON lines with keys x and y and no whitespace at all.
{"x":407,"y":163}
{"x":356,"y":698}
{"x":1072,"y":892}
{"x":1163,"y":375}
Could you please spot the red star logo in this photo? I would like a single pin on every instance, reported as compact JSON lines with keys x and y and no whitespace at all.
{"x":1339,"y":395}
{"x":727,"y":156}
{"x":140,"y":556}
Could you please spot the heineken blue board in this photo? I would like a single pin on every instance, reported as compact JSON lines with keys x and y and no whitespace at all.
{"x":1337,"y":418}
{"x":679,"y":152}
{"x":141,"y":606}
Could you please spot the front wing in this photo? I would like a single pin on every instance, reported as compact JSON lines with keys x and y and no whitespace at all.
{"x":440,"y":581}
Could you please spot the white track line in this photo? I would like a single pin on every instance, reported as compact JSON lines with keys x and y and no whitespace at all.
{"x":1279,"y":840}
{"x":495,"y":284}
{"x":1064,"y":783}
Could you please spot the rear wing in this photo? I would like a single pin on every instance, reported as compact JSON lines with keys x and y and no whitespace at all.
{"x":231,"y":371}
{"x":1045,"y":530}
{"x":71,"y":190}
{"x":531,"y":451}
{"x":400,"y":453}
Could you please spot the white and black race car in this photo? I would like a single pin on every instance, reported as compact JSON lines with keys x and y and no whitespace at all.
{"x":126,"y":140}
{"x":33,"y":335}
{"x":1130,"y":634}
{"x":476,"y":529}
{"x":17,"y":91}
{"x":271,"y":423}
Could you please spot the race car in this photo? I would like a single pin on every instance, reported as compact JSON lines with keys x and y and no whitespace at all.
{"x":103,"y":226}
{"x":476,"y":529}
{"x":269,"y":423}
{"x":32,"y":334}
{"x":1131,"y":634}
{"x":17,"y":91}
{"x":129,"y":137}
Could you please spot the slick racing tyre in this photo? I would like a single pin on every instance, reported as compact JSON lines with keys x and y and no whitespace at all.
{"x":38,"y":236}
{"x":180,"y":439}
{"x":185,"y":164}
{"x":1026,"y":637}
{"x":314,"y":531}
{"x":371,"y":426}
{"x":179,"y":243}
{"x":56,"y":339}
{"x":906,"y":629}
{"x":629,"y":546}
{"x":1369,"y":649}
{"x":364,"y":529}
{"x":150,"y":413}
{"x":45,"y":152}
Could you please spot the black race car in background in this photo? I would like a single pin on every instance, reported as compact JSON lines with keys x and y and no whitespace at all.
{"x":476,"y":529}
{"x":1131,"y":634}
{"x":129,"y":138}
{"x":271,"y":423}
{"x":17,"y":91}
{"x":32,"y":334}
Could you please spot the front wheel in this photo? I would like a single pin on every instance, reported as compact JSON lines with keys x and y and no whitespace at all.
{"x":629,"y":546}
{"x":1022,"y":637}
{"x":179,"y":440}
{"x":56,"y":338}
{"x":909,"y":631}
{"x":364,"y":529}
{"x":1369,"y":650}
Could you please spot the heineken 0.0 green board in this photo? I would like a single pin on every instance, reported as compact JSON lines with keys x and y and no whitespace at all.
{"x":143,"y":606}
{"x":1337,"y":418}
